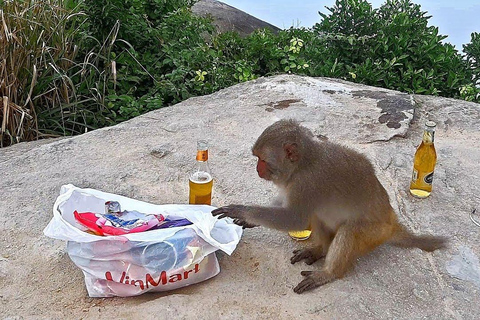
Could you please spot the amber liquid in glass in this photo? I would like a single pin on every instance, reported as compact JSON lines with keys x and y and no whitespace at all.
{"x":200,"y":188}
{"x":201,"y":181}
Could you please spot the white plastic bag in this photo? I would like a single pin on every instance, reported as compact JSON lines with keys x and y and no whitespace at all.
{"x":154,"y":260}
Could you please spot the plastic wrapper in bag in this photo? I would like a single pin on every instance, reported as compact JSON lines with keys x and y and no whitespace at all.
{"x":150,"y":261}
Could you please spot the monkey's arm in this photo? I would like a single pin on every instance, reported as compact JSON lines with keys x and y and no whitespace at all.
{"x":271,"y":217}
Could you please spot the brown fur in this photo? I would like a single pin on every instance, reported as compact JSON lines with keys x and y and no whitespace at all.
{"x":333,"y":190}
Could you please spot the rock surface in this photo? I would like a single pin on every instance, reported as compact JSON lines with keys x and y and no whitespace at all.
{"x":227,"y":18}
{"x":148,"y":158}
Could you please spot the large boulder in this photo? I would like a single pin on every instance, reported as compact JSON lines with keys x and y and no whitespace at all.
{"x":227,"y":18}
{"x":149,"y":157}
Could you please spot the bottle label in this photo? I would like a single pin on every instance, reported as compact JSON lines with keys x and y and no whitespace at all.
{"x":414,"y":175}
{"x":202,"y":155}
{"x":428,"y":179}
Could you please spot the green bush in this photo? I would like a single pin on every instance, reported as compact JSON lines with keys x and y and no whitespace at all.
{"x":173,"y":55}
{"x":472,"y":56}
{"x":270,"y":53}
{"x":156,"y":46}
{"x":349,"y":31}
{"x":391,"y":47}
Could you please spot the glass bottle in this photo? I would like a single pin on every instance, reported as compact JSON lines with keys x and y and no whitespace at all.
{"x":201,"y":181}
{"x":424,"y":163}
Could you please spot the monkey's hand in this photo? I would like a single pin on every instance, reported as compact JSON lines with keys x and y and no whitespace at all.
{"x":312,"y":280}
{"x":244,"y":224}
{"x":309,"y":255}
{"x":237,"y":212}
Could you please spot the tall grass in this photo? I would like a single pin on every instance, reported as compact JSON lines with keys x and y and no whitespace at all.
{"x":43,"y":89}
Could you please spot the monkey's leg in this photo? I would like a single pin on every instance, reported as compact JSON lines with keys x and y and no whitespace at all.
{"x":350,"y":242}
{"x":321,"y":238}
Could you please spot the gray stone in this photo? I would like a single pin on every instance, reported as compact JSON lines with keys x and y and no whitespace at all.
{"x":465,"y":266}
{"x":149,"y":157}
{"x":227,"y":18}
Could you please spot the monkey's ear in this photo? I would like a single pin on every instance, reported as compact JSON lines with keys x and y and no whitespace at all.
{"x":291,"y":151}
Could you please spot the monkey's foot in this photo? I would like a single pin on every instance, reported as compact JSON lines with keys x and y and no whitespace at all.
{"x":309,"y":255}
{"x":312,"y":280}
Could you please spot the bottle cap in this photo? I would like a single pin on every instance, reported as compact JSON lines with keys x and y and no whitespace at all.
{"x":431,"y":124}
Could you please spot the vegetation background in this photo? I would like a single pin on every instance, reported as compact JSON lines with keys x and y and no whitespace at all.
{"x":67,"y":67}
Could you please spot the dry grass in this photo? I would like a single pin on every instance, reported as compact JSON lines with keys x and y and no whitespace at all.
{"x":36,"y":48}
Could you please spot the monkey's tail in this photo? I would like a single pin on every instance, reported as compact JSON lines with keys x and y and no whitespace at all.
{"x":405,"y":239}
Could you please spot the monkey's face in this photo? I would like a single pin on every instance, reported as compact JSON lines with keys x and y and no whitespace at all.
{"x":273,"y":164}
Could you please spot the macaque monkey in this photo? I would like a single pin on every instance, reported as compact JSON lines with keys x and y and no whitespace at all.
{"x":331,"y":189}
